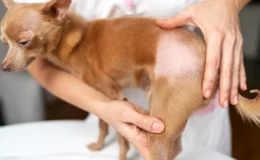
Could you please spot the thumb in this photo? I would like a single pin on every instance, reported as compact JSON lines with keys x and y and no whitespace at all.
{"x":139,"y":118}
{"x":182,"y":18}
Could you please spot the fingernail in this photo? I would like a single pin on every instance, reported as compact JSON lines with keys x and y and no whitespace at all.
{"x":157,"y":126}
{"x":235,"y":100}
{"x":226,"y":104}
{"x":208,"y":94}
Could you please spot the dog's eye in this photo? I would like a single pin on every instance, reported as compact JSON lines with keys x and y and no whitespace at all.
{"x":23,"y":43}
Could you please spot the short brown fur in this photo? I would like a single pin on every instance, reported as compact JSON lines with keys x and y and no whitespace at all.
{"x":109,"y":55}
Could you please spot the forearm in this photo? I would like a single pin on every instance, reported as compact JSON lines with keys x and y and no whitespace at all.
{"x":241,"y":3}
{"x":67,"y":87}
{"x":238,"y":4}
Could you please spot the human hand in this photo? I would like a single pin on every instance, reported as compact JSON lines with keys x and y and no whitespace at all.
{"x":132,"y":122}
{"x":219,"y":22}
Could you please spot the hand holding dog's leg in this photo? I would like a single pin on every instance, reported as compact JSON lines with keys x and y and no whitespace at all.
{"x":133,"y":123}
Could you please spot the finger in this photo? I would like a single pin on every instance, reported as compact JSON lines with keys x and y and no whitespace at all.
{"x":135,"y":136}
{"x":242,"y":74}
{"x":131,"y":133}
{"x":140,"y":110}
{"x":182,"y":18}
{"x":144,"y":122}
{"x":212,"y":63}
{"x":236,"y":70}
{"x":226,"y":69}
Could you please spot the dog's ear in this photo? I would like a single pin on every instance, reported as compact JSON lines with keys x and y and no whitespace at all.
{"x":57,"y":8}
{"x":8,"y":3}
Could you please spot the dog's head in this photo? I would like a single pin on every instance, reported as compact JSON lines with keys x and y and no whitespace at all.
{"x":31,"y":30}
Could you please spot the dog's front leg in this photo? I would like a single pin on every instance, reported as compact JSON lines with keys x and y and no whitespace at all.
{"x":123,"y":145}
{"x":103,"y":128}
{"x":103,"y":132}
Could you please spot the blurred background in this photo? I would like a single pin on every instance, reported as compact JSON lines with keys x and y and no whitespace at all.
{"x":23,"y":100}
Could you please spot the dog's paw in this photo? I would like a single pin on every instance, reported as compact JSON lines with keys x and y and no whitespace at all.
{"x":95,"y":147}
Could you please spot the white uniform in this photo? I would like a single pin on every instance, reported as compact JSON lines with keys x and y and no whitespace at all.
{"x":211,"y":129}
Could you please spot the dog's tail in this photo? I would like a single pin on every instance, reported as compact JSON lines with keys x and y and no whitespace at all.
{"x":250,"y":108}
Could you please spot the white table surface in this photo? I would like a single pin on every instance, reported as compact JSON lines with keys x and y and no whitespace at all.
{"x":67,"y":140}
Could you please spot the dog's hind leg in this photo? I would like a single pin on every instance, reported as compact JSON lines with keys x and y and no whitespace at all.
{"x":173,"y":103}
{"x":177,"y":148}
{"x":176,"y":90}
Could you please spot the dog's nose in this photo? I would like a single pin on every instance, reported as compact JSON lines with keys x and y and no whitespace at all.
{"x":5,"y":67}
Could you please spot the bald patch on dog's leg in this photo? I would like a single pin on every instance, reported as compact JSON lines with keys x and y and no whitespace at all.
{"x":174,"y":58}
{"x":177,"y":79}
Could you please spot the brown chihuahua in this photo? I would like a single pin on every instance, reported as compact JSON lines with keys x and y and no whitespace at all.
{"x":112,"y":54}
